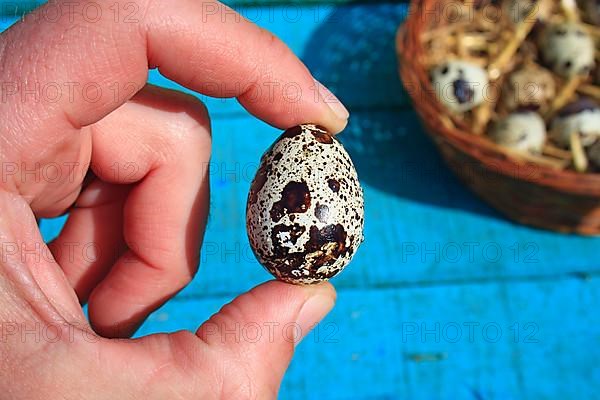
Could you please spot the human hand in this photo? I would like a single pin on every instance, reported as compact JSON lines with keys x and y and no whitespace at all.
{"x":75,"y":100}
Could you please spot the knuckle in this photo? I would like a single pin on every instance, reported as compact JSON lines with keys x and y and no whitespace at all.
{"x":227,"y":317}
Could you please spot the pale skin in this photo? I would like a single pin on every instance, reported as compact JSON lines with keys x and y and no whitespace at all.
{"x":148,"y":222}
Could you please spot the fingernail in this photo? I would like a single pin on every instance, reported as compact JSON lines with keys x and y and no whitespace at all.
{"x":333,"y":102}
{"x":311,"y":313}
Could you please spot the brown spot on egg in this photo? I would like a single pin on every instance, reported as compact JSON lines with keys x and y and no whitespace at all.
{"x":326,"y":244}
{"x":322,"y":136}
{"x":350,"y":249}
{"x":292,"y":132}
{"x":258,"y":183}
{"x":328,"y":234}
{"x":295,"y":198}
{"x":324,"y":248}
{"x":334,"y":185}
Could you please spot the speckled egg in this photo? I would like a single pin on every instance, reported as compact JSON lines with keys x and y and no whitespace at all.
{"x":520,"y":131}
{"x":530,"y":87}
{"x":459,"y":85}
{"x":580,"y":116}
{"x":305,"y":211}
{"x":568,"y":49}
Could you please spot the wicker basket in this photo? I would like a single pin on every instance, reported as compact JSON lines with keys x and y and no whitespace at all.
{"x":524,"y":190}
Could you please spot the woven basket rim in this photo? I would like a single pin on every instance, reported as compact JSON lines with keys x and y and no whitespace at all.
{"x":491,"y":155}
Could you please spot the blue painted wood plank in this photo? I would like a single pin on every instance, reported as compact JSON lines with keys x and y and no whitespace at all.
{"x":422,"y":225}
{"x":525,"y":340}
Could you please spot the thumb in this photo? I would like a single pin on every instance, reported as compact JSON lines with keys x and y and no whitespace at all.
{"x":261,"y":328}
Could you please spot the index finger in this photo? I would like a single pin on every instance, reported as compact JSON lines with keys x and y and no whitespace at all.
{"x":104,"y":58}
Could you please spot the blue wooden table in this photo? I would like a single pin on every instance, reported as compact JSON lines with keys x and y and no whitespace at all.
{"x":446,"y":299}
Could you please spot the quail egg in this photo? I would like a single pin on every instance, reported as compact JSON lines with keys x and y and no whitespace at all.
{"x":581,"y":116}
{"x":521,"y":131}
{"x":530,"y":87}
{"x":305,"y":210}
{"x":459,"y":85}
{"x":568,"y":49}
